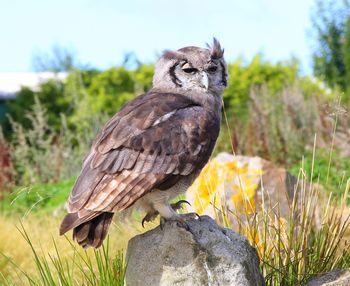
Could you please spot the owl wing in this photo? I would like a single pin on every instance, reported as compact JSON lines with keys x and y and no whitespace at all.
{"x":151,"y":142}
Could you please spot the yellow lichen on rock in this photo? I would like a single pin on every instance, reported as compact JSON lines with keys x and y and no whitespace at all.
{"x":226,"y":181}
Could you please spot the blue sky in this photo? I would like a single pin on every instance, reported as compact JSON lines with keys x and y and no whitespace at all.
{"x":102,"y":31}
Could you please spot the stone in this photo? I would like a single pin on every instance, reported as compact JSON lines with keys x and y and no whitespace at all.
{"x":338,"y":277}
{"x":240,"y":183}
{"x":205,"y":254}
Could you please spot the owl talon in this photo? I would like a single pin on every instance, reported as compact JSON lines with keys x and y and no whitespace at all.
{"x":181,"y":220}
{"x":183,"y":224}
{"x":192,"y":215}
{"x":150,"y":216}
{"x":178,"y":205}
{"x":162,"y":222}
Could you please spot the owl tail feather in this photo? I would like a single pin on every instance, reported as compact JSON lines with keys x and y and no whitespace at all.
{"x":87,"y":231}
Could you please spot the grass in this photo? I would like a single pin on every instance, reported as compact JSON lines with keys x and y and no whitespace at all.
{"x":332,"y":176}
{"x":97,"y":269}
{"x":313,"y":238}
{"x":47,"y":197}
{"x":32,"y":253}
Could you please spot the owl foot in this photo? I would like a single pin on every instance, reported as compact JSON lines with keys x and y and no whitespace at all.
{"x":180,"y":220}
{"x":179,"y":204}
{"x":150,"y":216}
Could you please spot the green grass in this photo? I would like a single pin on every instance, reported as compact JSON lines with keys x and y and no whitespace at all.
{"x":98,"y":267}
{"x":331,"y":174}
{"x":41,"y":197}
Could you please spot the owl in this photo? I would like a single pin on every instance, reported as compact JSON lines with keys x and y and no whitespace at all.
{"x":153,"y":148}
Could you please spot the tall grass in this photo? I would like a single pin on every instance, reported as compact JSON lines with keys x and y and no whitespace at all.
{"x":311,"y":237}
{"x":31,"y":256}
{"x":101,"y":268}
{"x":280,"y":127}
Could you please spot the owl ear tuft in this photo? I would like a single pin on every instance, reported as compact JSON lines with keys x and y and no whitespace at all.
{"x":215,"y":50}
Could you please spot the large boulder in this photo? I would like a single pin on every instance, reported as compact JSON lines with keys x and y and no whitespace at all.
{"x":205,"y":254}
{"x":240,"y":183}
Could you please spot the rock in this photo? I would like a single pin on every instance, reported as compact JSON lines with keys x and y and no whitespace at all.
{"x":233,"y":180}
{"x":228,"y":181}
{"x":339,"y":277}
{"x":239,"y":183}
{"x":206,"y":254}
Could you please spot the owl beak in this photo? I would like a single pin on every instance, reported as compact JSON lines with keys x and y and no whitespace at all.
{"x":204,"y":80}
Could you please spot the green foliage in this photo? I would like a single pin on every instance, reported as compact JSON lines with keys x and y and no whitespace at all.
{"x":332,"y":175}
{"x":3,"y":109}
{"x":51,"y":96}
{"x":313,"y":87}
{"x":257,"y":73}
{"x":36,"y":197}
{"x":24,"y":99}
{"x":41,"y":154}
{"x":143,"y":76}
{"x":110,"y":90}
{"x":331,"y":21}
{"x":80,"y":97}
{"x":86,"y":93}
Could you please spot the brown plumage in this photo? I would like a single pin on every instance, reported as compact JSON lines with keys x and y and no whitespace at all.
{"x":155,"y":145}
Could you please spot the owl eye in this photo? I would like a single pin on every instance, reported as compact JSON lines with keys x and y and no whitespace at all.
{"x":212,"y":69}
{"x":190,"y":70}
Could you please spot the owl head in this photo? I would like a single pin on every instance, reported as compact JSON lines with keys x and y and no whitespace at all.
{"x":192,"y":69}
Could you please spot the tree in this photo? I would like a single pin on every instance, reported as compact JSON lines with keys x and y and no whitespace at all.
{"x":59,"y":59}
{"x":51,"y":96}
{"x":331,"y":59}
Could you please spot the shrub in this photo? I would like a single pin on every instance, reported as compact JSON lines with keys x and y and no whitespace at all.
{"x":51,"y":96}
{"x":6,"y":167}
{"x":41,"y":154}
{"x":280,"y":127}
{"x":110,"y":89}
{"x":257,"y":73}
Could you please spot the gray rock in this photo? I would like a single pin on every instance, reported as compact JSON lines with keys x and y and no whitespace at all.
{"x":339,"y":277}
{"x":207,"y":254}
